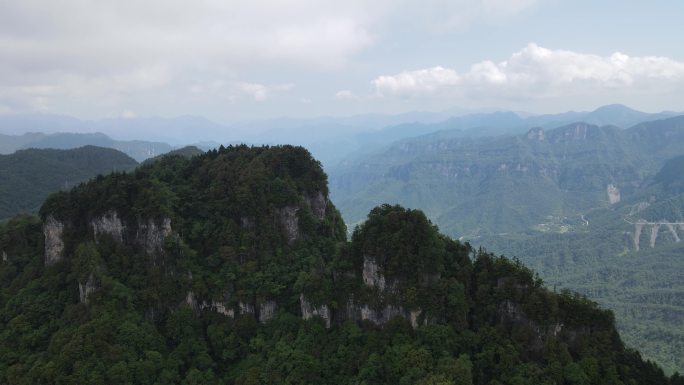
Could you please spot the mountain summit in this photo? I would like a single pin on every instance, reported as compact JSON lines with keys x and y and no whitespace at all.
{"x":233,"y":267}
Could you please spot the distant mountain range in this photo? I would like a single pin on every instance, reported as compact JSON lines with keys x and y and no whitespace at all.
{"x":330,"y":139}
{"x":593,"y":208}
{"x":137,"y":149}
{"x":504,"y":182}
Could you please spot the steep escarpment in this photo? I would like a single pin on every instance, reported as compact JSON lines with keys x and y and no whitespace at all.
{"x":234,"y":267}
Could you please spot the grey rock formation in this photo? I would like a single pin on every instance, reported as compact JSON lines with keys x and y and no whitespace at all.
{"x":371,"y":274}
{"x":266,"y":311}
{"x":87,"y":288}
{"x":309,"y":311}
{"x":109,"y":224}
{"x":536,"y":134}
{"x":246,"y":308}
{"x":384,"y":315}
{"x":613,"y":194}
{"x":151,"y":235}
{"x":54,"y":244}
{"x":287,"y":218}
{"x":191,"y":301}
{"x":220,"y":308}
{"x":512,"y":314}
{"x":413,"y":318}
{"x":318,"y":205}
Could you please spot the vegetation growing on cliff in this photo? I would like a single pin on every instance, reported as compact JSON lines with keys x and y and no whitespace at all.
{"x":252,"y":237}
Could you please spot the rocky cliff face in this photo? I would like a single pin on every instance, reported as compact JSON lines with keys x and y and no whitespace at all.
{"x":149,"y":234}
{"x":310,"y":311}
{"x":110,"y":224}
{"x":287,"y":217}
{"x":54,"y":244}
{"x":613,"y":194}
{"x":511,"y":314}
{"x":87,"y":288}
{"x":318,"y":204}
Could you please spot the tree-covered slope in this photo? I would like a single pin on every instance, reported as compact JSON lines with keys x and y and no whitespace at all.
{"x":627,"y":257}
{"x":563,"y":200}
{"x":234,"y":267}
{"x":27,"y":177}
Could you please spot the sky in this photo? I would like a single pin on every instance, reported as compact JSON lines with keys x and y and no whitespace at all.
{"x":240,"y":60}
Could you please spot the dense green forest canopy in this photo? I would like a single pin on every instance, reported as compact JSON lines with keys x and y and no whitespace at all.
{"x":27,"y":177}
{"x":253,"y":281}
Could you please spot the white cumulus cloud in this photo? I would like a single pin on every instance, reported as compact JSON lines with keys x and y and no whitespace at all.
{"x":261,"y":92}
{"x":344,"y":95}
{"x":536,"y":71}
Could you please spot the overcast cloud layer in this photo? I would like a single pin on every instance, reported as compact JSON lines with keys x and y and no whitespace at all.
{"x":233,"y":60}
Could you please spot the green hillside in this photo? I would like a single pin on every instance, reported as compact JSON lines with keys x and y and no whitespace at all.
{"x":233,"y":267}
{"x":27,"y":177}
{"x":546,"y":197}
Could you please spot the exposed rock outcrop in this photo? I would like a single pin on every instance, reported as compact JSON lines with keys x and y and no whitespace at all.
{"x":266,"y":311}
{"x":371,"y":274}
{"x":511,"y":314}
{"x":54,"y":244}
{"x":246,"y":308}
{"x":109,"y":224}
{"x":87,"y":288}
{"x":383,"y":315}
{"x":309,"y":310}
{"x":191,"y":301}
{"x":216,"y":306}
{"x":287,"y":218}
{"x":613,"y":194}
{"x":536,"y":133}
{"x":413,"y":318}
{"x":151,"y":235}
{"x":4,"y":256}
{"x":318,"y":205}
{"x":220,"y":308}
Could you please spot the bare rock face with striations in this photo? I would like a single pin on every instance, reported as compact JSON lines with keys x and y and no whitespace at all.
{"x":371,"y":274}
{"x":151,"y":234}
{"x":54,"y":244}
{"x":87,"y":288}
{"x":318,"y":204}
{"x":109,"y":224}
{"x":287,"y":217}
{"x":266,"y":311}
{"x":310,"y":311}
{"x":512,"y":314}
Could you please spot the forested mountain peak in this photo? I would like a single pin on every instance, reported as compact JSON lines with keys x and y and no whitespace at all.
{"x":233,"y":267}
